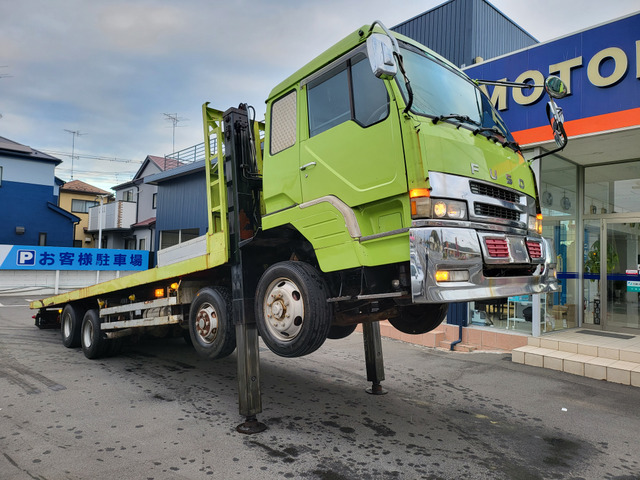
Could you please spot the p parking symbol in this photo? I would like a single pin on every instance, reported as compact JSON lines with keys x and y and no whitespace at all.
{"x":26,"y":257}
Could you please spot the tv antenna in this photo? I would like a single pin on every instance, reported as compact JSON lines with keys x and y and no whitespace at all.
{"x":75,"y":133}
{"x":174,"y":119}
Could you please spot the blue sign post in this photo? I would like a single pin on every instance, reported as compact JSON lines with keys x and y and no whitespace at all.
{"x":16,"y":257}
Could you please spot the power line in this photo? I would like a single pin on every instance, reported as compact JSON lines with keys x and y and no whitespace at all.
{"x":92,"y":157}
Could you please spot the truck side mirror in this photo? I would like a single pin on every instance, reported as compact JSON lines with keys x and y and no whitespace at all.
{"x":556,"y":120}
{"x":380,"y":53}
{"x":555,"y":87}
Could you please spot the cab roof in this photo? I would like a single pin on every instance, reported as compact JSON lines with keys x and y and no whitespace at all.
{"x":345,"y":45}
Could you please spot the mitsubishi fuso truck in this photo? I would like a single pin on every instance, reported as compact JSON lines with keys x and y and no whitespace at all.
{"x":383,"y":184}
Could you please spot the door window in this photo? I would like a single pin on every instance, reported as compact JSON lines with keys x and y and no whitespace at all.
{"x":329,"y":101}
{"x":348,"y":92}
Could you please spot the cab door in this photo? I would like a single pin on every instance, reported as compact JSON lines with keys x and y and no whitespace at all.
{"x":353,"y":147}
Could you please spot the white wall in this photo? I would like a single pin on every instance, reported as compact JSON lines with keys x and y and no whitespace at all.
{"x":28,"y":171}
{"x":43,"y":282}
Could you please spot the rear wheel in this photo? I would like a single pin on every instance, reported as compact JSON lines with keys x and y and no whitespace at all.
{"x":71,"y":324}
{"x":211,"y":326}
{"x":292,"y":312}
{"x":417,"y":319}
{"x":94,"y":342}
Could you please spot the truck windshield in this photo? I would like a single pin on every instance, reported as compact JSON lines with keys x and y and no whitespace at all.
{"x":442,"y":93}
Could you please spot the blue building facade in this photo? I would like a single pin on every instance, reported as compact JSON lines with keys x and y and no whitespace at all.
{"x":464,"y":30}
{"x":181,"y":204}
{"x":29,"y":199}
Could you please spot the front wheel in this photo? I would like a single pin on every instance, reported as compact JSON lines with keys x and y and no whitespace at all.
{"x":292,"y":312}
{"x":417,"y":319}
{"x":211,"y":326}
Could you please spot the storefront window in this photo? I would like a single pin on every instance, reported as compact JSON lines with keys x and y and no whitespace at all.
{"x":612,"y":188}
{"x":558,"y":187}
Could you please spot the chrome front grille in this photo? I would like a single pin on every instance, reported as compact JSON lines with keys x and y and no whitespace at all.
{"x":494,"y":192}
{"x":495,"y":211}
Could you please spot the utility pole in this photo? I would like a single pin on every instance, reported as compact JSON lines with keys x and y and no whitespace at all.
{"x":75,"y":133}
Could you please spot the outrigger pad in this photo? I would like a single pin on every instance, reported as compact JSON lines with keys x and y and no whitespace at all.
{"x":251,"y":426}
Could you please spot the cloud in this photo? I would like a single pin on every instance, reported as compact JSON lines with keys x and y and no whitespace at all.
{"x":111,"y":69}
{"x":146,"y":28}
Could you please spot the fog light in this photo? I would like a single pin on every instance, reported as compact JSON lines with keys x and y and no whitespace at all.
{"x":452,"y":276}
{"x":442,"y":276}
{"x":159,"y":292}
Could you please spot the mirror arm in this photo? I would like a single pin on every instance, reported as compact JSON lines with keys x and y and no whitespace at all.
{"x":506,"y":83}
{"x":394,"y":42}
{"x":555,"y":150}
{"x":407,"y":83}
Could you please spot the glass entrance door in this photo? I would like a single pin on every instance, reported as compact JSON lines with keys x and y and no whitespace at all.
{"x":622,"y":282}
{"x":611,"y":280}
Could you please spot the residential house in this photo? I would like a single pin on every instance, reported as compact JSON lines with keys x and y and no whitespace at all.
{"x":129,"y":222}
{"x":77,"y":197}
{"x":182,"y":212}
{"x":29,"y":193}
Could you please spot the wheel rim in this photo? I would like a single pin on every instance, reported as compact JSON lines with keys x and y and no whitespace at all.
{"x":87,"y":334}
{"x":283,"y":309}
{"x":207,"y":323}
{"x":66,"y":325}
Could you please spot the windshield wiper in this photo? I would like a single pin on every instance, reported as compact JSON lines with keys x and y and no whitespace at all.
{"x":455,"y":116}
{"x":512,"y":145}
{"x":493,"y":130}
{"x":498,"y":136}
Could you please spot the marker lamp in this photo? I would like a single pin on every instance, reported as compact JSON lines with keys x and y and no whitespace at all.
{"x":452,"y":276}
{"x":535,"y":223}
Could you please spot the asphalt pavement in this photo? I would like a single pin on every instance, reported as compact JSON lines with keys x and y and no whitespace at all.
{"x":157,"y":411}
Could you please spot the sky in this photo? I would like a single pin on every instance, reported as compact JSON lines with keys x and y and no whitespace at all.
{"x":110,"y":70}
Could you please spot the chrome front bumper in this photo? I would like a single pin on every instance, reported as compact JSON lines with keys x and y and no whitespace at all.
{"x":464,"y":249}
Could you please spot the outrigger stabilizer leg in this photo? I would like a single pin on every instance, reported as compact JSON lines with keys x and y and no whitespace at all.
{"x":373,"y":357}
{"x":249,"y":396}
{"x":242,"y":212}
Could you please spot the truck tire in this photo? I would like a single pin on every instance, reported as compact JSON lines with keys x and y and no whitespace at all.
{"x":336,"y":332}
{"x":417,"y":319}
{"x":292,"y":312}
{"x":94,"y":342}
{"x":71,"y":324}
{"x":211,"y":327}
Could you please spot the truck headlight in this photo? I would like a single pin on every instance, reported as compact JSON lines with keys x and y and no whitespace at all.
{"x":426,"y":207}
